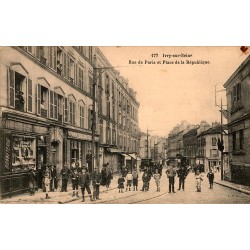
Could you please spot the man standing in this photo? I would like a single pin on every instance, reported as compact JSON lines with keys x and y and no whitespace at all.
{"x":65,"y":176}
{"x":182,"y":174}
{"x":96,"y":181}
{"x":171,"y":173}
{"x":89,"y":161}
{"x":84,"y":182}
{"x":53,"y":180}
{"x":210,"y":176}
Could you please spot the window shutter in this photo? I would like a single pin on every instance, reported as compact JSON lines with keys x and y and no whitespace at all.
{"x":38,"y":99}
{"x":56,"y":106}
{"x":11,"y":88}
{"x":73,"y":113}
{"x":64,"y":65}
{"x":51,"y":104}
{"x":238,"y":91}
{"x":50,"y":56}
{"x":67,"y":73}
{"x":234,"y":93}
{"x":76,"y":75}
{"x":29,"y":95}
{"x":54,"y":58}
{"x":65,"y":109}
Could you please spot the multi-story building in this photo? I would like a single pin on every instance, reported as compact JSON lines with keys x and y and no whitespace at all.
{"x":117,"y":116}
{"x":46,"y":110}
{"x":208,"y":154}
{"x":145,"y":147}
{"x":238,"y":105}
{"x":175,"y":147}
{"x":158,"y":148}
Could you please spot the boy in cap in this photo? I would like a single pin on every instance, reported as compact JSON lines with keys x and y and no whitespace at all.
{"x":210,"y":176}
{"x":84,"y":182}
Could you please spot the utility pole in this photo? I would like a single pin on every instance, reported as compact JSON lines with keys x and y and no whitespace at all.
{"x":93,"y":128}
{"x":221,"y":138}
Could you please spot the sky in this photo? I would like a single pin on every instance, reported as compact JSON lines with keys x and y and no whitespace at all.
{"x":170,"y":93}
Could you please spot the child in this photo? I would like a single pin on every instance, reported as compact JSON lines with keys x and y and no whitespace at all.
{"x":145,"y":178}
{"x":198,"y":178}
{"x":210,"y":176}
{"x":121,"y":181}
{"x":47,"y":182}
{"x":135,"y":179}
{"x":129,"y":178}
{"x":157,"y":178}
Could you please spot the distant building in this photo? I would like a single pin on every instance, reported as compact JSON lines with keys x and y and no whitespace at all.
{"x":238,"y":102}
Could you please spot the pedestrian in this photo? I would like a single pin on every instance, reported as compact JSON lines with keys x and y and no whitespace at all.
{"x":210,"y":176}
{"x":121,"y":181}
{"x":89,"y":158}
{"x":104,"y":176}
{"x":198,"y":179}
{"x":65,"y":172}
{"x":96,"y":181}
{"x":74,"y":180}
{"x":149,"y":175}
{"x":32,"y":181}
{"x":53,"y":180}
{"x":47,"y":181}
{"x":108,"y":176}
{"x":171,"y":173}
{"x":182,"y":174}
{"x":135,"y":179}
{"x":157,"y":178}
{"x":129,"y":178}
{"x":84,"y":182}
{"x":145,"y":180}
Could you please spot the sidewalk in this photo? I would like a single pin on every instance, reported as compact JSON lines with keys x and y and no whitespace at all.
{"x":238,"y":187}
{"x":55,"y":197}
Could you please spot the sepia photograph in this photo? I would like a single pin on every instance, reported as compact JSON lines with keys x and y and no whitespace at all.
{"x":124,"y":125}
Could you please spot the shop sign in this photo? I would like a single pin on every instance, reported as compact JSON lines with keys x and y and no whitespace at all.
{"x":79,"y":136}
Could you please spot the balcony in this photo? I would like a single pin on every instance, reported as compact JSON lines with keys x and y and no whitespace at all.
{"x":44,"y":113}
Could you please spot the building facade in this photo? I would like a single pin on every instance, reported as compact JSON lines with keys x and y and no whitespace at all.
{"x":46,"y":111}
{"x":238,"y":105}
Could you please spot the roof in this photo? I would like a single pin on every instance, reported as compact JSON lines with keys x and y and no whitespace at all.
{"x":214,"y":130}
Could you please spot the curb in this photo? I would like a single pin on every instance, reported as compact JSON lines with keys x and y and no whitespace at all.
{"x":234,"y":188}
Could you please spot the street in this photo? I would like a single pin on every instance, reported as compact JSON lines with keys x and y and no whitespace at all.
{"x":218,"y":195}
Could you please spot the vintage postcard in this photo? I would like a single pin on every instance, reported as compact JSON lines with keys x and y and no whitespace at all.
{"x":124,"y":125}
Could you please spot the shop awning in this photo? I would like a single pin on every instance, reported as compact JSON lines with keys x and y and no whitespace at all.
{"x":132,"y":155}
{"x":127,"y":157}
{"x":114,"y":150}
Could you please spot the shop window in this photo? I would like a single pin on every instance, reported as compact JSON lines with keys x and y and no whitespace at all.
{"x":23,"y":153}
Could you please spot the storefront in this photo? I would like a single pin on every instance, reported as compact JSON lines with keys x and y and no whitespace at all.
{"x":77,"y":145}
{"x":19,"y":152}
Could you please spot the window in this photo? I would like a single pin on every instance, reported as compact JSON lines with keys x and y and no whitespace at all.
{"x":82,"y":110}
{"x":71,"y":71}
{"x":113,"y":111}
{"x":59,"y":61}
{"x":108,"y":109}
{"x":241,"y":138}
{"x":214,"y":141}
{"x":90,"y":53}
{"x":20,"y":91}
{"x":236,"y":97}
{"x":234,"y":140}
{"x":108,"y":135}
{"x":100,"y":101}
{"x":40,"y":54}
{"x":60,"y":107}
{"x":90,"y":117}
{"x":114,"y":136}
{"x":101,"y":133}
{"x":30,"y":49}
{"x":107,"y":87}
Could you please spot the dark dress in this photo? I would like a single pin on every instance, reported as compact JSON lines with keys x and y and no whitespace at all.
{"x":104,"y":177}
{"x":121,"y":181}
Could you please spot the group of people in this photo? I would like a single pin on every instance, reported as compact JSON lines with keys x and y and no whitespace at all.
{"x":81,"y":177}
